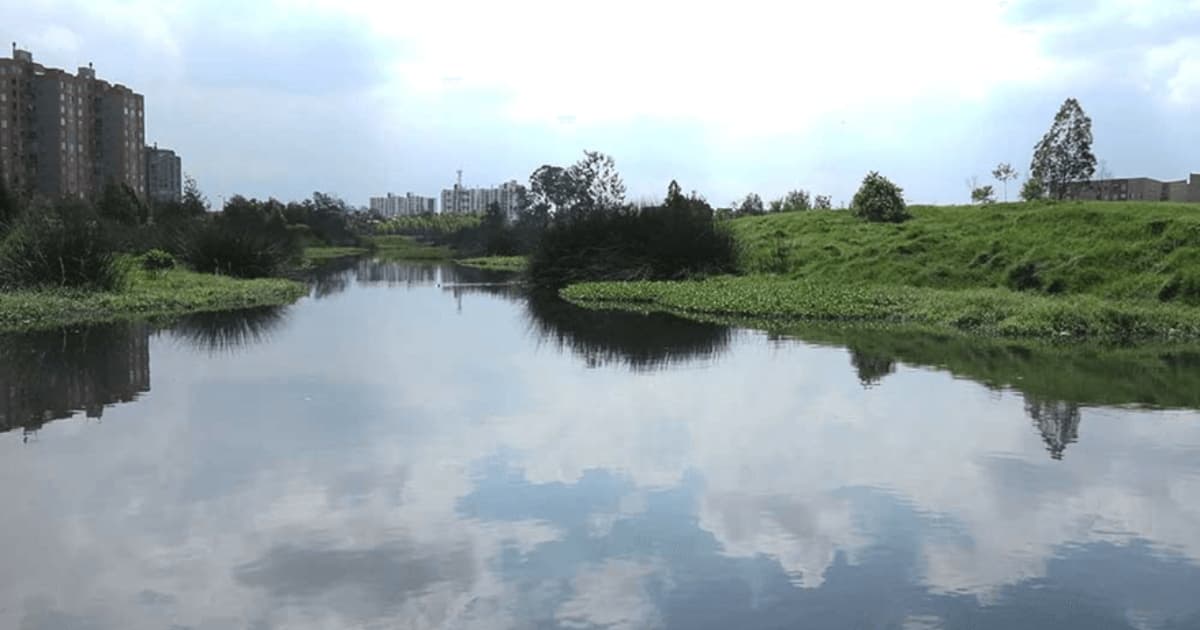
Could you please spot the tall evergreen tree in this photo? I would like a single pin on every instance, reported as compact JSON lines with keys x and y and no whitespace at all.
{"x":1064,"y":155}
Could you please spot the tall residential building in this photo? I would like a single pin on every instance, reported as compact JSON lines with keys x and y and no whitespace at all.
{"x":67,"y":135}
{"x":407,"y":205}
{"x":164,"y":175}
{"x":461,"y":200}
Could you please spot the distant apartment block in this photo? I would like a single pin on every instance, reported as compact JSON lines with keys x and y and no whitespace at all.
{"x":164,"y":175}
{"x":403,"y":206}
{"x":462,"y":200}
{"x":1138,"y":189}
{"x":65,"y":134}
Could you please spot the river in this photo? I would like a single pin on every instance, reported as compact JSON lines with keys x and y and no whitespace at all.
{"x":418,"y":446}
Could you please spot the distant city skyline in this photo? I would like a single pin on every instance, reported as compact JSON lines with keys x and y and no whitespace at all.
{"x":793,"y":97}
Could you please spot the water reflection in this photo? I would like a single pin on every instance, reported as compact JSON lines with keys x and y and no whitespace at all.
{"x":51,"y":375}
{"x":641,"y":342}
{"x":225,"y":331}
{"x":473,"y":472}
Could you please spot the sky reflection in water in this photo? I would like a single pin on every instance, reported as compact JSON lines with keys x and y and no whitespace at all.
{"x":410,"y":447}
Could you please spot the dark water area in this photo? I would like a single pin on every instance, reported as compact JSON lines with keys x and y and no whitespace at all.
{"x":426,"y":446}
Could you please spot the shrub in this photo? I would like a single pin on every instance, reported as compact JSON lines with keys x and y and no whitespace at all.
{"x":250,"y":239}
{"x":676,"y":240}
{"x":879,"y":200}
{"x":157,"y":260}
{"x":1032,"y":190}
{"x":60,"y":245}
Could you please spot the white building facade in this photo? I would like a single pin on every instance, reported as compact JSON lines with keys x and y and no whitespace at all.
{"x":403,"y":205}
{"x":461,"y":200}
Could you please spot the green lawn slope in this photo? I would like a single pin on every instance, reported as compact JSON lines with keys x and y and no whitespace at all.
{"x":1138,"y":250}
{"x":1071,"y":271}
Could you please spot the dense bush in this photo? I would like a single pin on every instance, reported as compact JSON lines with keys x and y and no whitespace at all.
{"x":157,"y":260}
{"x":59,"y":245}
{"x":250,"y":239}
{"x":675,"y":240}
{"x":879,"y":200}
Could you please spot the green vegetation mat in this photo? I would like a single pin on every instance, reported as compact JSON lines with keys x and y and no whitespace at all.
{"x":996,"y":312}
{"x":317,"y":254}
{"x":498,"y":263}
{"x":399,"y":247}
{"x":149,"y":295}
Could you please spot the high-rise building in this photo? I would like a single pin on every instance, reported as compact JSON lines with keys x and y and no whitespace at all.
{"x":67,"y":135}
{"x":164,"y":175}
{"x":461,"y":200}
{"x":406,"y":205}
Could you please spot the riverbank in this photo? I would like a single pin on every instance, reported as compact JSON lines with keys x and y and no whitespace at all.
{"x":149,"y":295}
{"x":496,"y":263}
{"x":323,"y":253}
{"x":1110,"y":272}
{"x":773,"y":301}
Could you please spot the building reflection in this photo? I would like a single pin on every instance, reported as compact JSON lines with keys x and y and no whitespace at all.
{"x":53,"y":375}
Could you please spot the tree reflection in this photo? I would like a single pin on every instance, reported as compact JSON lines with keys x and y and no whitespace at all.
{"x":641,"y":342}
{"x":224,"y":331}
{"x":1056,"y":420}
{"x":871,"y":367}
{"x":1055,"y":381}
{"x":51,"y":375}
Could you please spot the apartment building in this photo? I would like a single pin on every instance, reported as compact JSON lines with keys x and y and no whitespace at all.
{"x":403,"y":205}
{"x":164,"y":175}
{"x":65,"y":134}
{"x":461,"y":200}
{"x":1138,"y":189}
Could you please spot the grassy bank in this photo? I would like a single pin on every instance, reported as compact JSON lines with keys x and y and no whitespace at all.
{"x":992,"y":312}
{"x":496,"y":263}
{"x":321,"y":254}
{"x":1114,"y":272}
{"x":149,"y":295}
{"x":1115,"y":250}
{"x":398,"y":247}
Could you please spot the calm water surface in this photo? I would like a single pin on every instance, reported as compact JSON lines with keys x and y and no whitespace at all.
{"x":412,"y":448}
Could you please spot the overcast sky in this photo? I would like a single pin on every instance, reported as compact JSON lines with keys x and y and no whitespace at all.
{"x":359,"y":97}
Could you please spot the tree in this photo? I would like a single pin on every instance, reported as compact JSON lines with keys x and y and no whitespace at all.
{"x":1003,"y":173}
{"x":823,"y":202}
{"x":119,"y":203}
{"x":194,"y":201}
{"x":552,"y":187}
{"x":794,"y":201}
{"x":983,"y":194}
{"x":598,"y":186}
{"x":1064,"y":155}
{"x":752,"y":204}
{"x":9,"y":209}
{"x":1033,"y":189}
{"x":675,"y":198}
{"x":879,"y":200}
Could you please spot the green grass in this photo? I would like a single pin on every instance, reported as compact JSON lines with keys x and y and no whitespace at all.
{"x":322,"y":253}
{"x":497,"y":263}
{"x":149,"y":295}
{"x":399,"y":247}
{"x":993,"y":312}
{"x":1114,"y":250}
{"x":1107,"y":271}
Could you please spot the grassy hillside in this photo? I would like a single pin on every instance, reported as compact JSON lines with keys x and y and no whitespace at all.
{"x":1118,"y":272}
{"x":1121,"y":250}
